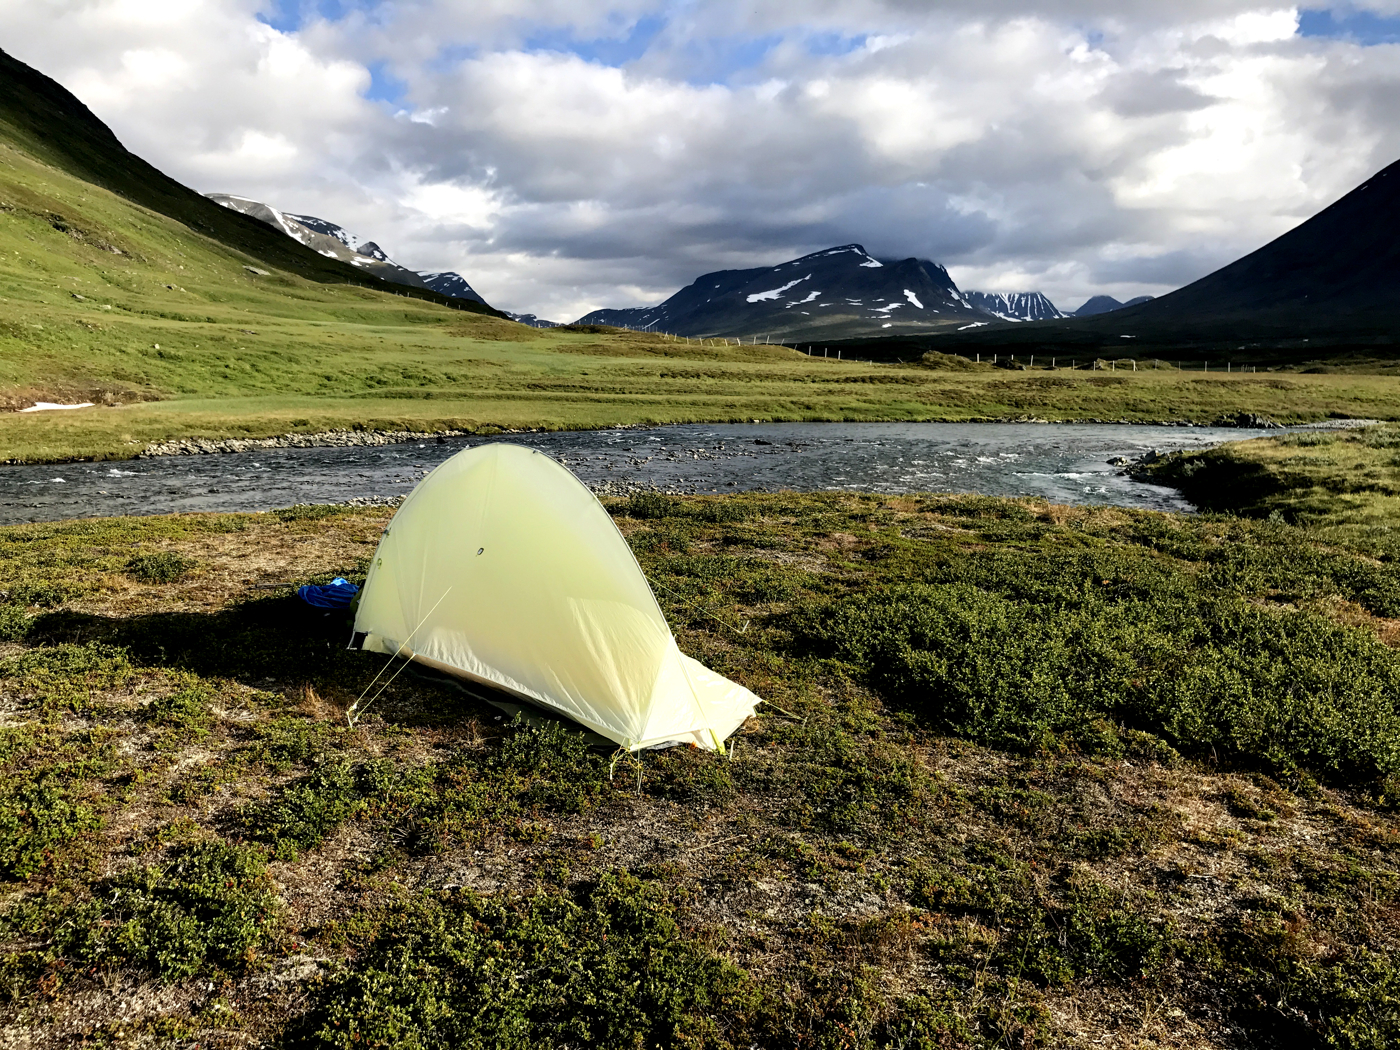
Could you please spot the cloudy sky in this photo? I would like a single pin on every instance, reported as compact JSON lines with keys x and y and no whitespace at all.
{"x":570,"y":154}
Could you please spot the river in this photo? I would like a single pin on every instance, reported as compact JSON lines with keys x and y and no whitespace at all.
{"x":1061,"y":462}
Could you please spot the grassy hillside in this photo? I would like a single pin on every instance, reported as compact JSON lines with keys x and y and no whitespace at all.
{"x":44,"y":120}
{"x":1032,"y":776}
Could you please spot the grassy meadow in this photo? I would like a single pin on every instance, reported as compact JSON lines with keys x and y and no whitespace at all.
{"x":1029,"y":776}
{"x":175,"y":335}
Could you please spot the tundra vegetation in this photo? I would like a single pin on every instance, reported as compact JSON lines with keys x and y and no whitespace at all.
{"x":1029,"y":776}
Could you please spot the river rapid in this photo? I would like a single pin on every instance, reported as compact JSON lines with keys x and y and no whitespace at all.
{"x":1060,"y":462}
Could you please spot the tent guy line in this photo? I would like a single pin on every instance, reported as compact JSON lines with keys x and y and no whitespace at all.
{"x":350,"y":713}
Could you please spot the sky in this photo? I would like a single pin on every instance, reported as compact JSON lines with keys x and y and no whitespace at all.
{"x":565,"y":155}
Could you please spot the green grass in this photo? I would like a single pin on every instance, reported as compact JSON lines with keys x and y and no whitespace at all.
{"x":954,"y":823}
{"x":1344,"y":486}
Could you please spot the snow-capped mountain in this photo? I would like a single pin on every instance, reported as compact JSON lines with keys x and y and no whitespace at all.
{"x":452,"y":284}
{"x":841,"y":292}
{"x":532,"y":320}
{"x":336,"y":242}
{"x":330,"y":229}
{"x":1103,"y":304}
{"x":1016,"y":306}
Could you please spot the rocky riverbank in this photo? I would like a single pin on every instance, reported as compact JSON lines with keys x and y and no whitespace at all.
{"x":373,"y":438}
{"x":324,"y":439}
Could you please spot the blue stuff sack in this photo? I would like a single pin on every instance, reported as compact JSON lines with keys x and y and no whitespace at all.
{"x":338,"y":594}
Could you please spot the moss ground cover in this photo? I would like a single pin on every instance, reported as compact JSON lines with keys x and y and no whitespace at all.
{"x":172,"y":335}
{"x":1031,"y":775}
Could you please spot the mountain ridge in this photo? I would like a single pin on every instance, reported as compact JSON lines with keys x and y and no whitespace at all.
{"x":1104,"y":304}
{"x":336,"y":242}
{"x":1325,"y":287}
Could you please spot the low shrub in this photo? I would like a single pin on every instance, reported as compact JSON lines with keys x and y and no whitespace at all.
{"x":42,"y":807}
{"x":1278,"y":689}
{"x":458,"y":971}
{"x":65,"y":676}
{"x":184,"y":714}
{"x":305,"y":811}
{"x":561,"y":772}
{"x":651,"y":505}
{"x":14,"y":623}
{"x":160,"y":567}
{"x":1095,"y":935}
{"x":42,"y":594}
{"x":208,"y":909}
{"x":308,"y":511}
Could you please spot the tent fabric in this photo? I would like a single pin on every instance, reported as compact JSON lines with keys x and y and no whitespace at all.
{"x":502,"y":567}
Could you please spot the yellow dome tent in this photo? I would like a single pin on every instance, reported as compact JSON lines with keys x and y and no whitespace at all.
{"x":501,"y":567}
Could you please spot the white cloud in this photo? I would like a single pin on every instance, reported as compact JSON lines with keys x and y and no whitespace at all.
{"x":567,"y":154}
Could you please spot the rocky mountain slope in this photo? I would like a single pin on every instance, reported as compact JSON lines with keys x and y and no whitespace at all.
{"x":336,"y":242}
{"x":1015,"y":306}
{"x":533,"y":321}
{"x":837,"y":293}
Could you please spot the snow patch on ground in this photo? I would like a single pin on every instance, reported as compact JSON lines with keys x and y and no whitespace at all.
{"x":913,"y":299}
{"x":49,"y":406}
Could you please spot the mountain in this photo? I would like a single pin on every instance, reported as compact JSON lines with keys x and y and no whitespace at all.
{"x":1339,"y":268}
{"x":451,"y":284}
{"x":48,"y":122}
{"x":1015,"y":306}
{"x":1103,"y":304}
{"x":336,"y":242}
{"x":532,"y":320}
{"x":838,"y":293}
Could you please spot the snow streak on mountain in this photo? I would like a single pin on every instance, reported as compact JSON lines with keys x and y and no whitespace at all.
{"x":838,"y":293}
{"x":1015,"y":306}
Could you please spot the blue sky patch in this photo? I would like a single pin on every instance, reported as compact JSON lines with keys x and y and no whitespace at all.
{"x":288,"y":16}
{"x":715,"y":60}
{"x":384,"y":86}
{"x":835,"y":43}
{"x":607,"y":51}
{"x":1364,"y":27}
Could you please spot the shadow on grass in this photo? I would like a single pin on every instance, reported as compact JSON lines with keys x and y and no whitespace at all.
{"x":264,"y":643}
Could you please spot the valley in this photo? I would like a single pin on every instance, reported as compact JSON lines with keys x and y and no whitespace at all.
{"x":1028,"y":774}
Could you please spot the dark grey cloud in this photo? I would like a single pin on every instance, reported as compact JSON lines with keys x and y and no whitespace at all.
{"x":1150,"y":94}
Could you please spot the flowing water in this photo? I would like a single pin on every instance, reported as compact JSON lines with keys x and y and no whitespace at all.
{"x":1062,"y":462}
